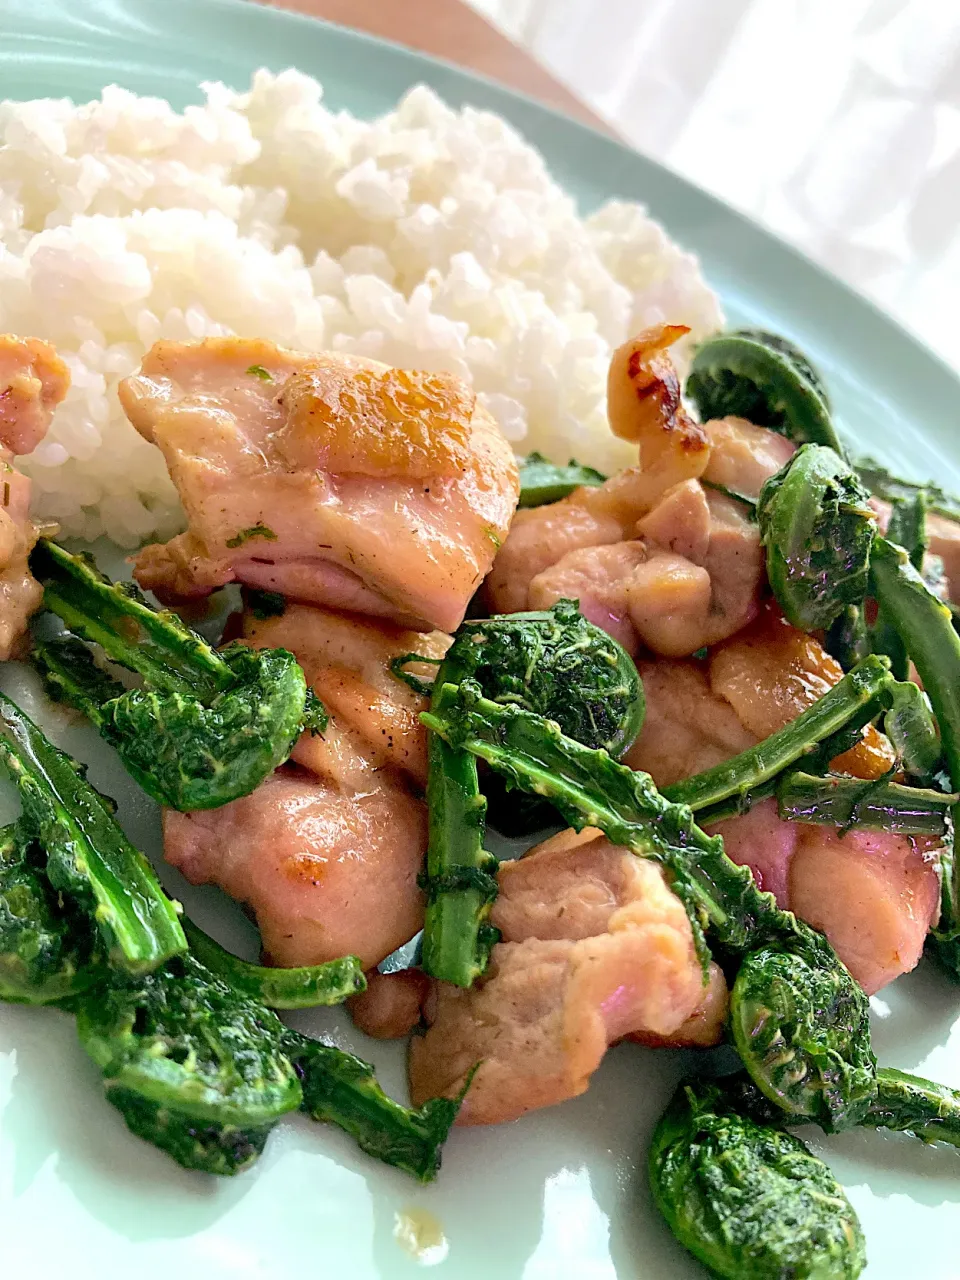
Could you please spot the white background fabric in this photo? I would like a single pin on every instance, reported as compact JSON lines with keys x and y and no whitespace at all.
{"x":834,"y":122}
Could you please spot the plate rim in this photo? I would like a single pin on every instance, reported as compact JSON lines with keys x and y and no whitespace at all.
{"x":502,"y":99}
{"x":164,"y":17}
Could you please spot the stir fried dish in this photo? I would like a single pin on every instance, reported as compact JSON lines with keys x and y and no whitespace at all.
{"x":718,"y":691}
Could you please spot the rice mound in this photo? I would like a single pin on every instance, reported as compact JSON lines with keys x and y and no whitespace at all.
{"x":430,"y":237}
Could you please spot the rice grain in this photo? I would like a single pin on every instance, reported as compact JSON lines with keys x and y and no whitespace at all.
{"x":430,"y":237}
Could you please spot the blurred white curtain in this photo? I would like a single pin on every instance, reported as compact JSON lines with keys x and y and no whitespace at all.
{"x":835,"y":122}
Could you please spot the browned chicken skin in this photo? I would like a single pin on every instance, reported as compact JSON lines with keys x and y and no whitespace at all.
{"x":644,"y":405}
{"x":33,"y":381}
{"x":333,"y":479}
{"x":595,"y":946}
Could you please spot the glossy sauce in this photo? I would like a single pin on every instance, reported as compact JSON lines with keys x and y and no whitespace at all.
{"x":397,"y":422}
{"x":419,"y":1233}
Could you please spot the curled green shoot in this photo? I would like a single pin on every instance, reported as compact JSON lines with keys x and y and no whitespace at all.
{"x":747,"y":1199}
{"x":764,"y":378}
{"x":341,"y":1089}
{"x":48,"y":945}
{"x":205,"y":726}
{"x":799,"y":1019}
{"x":183,"y":1039}
{"x":553,"y":663}
{"x":817,"y":528}
{"x":904,"y":1103}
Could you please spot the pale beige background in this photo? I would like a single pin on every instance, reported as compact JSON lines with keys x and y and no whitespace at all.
{"x":835,"y":122}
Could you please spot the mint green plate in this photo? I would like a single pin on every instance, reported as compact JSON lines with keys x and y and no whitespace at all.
{"x":560,"y":1195}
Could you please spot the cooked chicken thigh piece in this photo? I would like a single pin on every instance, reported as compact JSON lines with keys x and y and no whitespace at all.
{"x":329,"y":866}
{"x":595,"y":946}
{"x":391,"y":1005}
{"x":762,"y":841}
{"x":687,"y":728}
{"x":599,"y":579}
{"x":943,"y":542}
{"x":347,"y":659}
{"x":33,"y":381}
{"x":875,"y":895}
{"x":657,"y":558}
{"x":644,"y":405}
{"x":679,"y":605}
{"x":539,"y":538}
{"x":771,"y":672}
{"x":693,"y":577}
{"x":742,"y":456}
{"x":328,"y":849}
{"x":333,"y":479}
{"x":704,"y":1027}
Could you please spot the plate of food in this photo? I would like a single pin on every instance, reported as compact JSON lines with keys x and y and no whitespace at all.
{"x":478,"y":713}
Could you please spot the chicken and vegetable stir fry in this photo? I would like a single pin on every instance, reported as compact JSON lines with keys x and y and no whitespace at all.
{"x":723,"y":686}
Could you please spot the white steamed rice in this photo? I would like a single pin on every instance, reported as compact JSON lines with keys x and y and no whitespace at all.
{"x":430,"y":237}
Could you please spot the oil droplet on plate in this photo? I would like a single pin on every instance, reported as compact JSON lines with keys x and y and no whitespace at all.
{"x":419,"y":1233}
